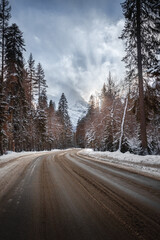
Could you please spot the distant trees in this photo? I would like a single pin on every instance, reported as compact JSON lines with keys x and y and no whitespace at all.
{"x":80,"y":133}
{"x":90,"y":124}
{"x":100,"y":128}
{"x":39,"y":82}
{"x":112,"y":123}
{"x":30,"y":80}
{"x":51,"y":116}
{"x":66,"y":135}
{"x":41,"y":122}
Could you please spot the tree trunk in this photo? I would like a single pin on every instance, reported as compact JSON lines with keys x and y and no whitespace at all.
{"x":140,"y":78}
{"x":2,"y":79}
{"x":122,"y":124}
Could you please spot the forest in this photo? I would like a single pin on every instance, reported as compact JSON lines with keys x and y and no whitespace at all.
{"x":123,"y":117}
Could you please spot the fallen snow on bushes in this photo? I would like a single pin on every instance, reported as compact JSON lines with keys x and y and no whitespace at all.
{"x":149,"y":164}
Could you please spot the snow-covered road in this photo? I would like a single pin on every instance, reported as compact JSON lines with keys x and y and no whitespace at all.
{"x":72,"y":195}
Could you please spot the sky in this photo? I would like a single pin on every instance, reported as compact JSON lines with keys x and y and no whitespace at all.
{"x":76,"y":41}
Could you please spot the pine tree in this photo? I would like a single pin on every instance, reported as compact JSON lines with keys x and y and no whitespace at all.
{"x":103,"y":95}
{"x":152,"y":103}
{"x":4,"y":19}
{"x":51,"y":124}
{"x":41,"y":122}
{"x":108,"y":97}
{"x":91,"y":107}
{"x":90,"y":123}
{"x":67,"y":133}
{"x":140,"y":33}
{"x":15,"y":87}
{"x":80,"y":133}
{"x":14,"y":53}
{"x":41,"y":113}
{"x":30,"y":79}
{"x":40,"y":82}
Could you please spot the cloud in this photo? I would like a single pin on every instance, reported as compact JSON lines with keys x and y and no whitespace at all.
{"x":76,"y":51}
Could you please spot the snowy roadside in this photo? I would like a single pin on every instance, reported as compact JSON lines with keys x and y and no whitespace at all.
{"x":149,"y":164}
{"x":11,"y":155}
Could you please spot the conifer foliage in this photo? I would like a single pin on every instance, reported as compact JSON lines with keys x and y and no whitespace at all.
{"x":5,"y":15}
{"x":141,"y":36}
{"x":66,"y":137}
{"x":26,"y":120}
{"x":111,"y":122}
{"x":14,"y":85}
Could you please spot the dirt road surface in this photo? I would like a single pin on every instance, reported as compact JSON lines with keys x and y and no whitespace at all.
{"x":64,"y":196}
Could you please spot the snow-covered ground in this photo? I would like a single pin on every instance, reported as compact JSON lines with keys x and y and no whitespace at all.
{"x":149,"y":164}
{"x":10,"y":155}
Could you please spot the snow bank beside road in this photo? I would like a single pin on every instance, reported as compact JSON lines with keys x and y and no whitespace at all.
{"x":149,"y":164}
{"x":10,"y":155}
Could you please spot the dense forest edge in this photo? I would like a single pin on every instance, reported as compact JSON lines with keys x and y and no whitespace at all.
{"x":124,"y":116}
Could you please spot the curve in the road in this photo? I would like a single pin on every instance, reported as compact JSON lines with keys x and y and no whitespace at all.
{"x":63,"y":195}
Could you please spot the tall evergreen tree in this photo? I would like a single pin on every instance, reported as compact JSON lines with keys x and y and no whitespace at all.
{"x":51,"y":124}
{"x":40,"y":82}
{"x":91,"y":107}
{"x":89,"y":124}
{"x":140,"y":34}
{"x":80,"y":132}
{"x":14,"y":85}
{"x":30,"y":79}
{"x":4,"y":19}
{"x":67,"y":134}
{"x":41,"y":122}
{"x":108,"y":106}
{"x":14,"y":53}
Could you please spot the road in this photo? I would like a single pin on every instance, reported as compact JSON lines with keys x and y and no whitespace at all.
{"x":63,"y":196}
